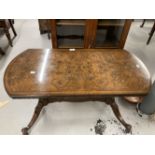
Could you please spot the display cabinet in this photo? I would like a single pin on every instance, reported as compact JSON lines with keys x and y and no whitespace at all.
{"x":89,"y":33}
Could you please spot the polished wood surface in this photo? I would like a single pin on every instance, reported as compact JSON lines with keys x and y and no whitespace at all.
{"x":43,"y":73}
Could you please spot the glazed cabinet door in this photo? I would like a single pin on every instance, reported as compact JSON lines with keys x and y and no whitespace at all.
{"x":68,"y":33}
{"x":89,"y":33}
{"x":111,"y":33}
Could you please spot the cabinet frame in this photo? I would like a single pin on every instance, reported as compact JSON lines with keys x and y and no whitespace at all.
{"x":90,"y":33}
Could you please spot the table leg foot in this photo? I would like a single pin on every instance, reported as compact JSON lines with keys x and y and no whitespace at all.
{"x":115,"y":109}
{"x":128,"y":128}
{"x":25,"y":131}
{"x":40,"y":105}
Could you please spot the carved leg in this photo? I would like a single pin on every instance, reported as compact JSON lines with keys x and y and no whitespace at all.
{"x":40,"y":105}
{"x":114,"y":106}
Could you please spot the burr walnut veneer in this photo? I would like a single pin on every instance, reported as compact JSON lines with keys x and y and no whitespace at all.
{"x":76,"y":75}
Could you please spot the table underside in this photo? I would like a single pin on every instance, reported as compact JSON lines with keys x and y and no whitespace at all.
{"x":45,"y":101}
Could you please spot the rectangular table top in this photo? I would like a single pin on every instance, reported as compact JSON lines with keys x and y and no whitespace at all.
{"x":41,"y":73}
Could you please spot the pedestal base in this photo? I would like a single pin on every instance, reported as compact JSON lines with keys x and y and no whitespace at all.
{"x":108,"y":100}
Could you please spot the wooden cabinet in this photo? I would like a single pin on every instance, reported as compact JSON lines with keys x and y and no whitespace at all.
{"x":44,"y":25}
{"x":89,"y":33}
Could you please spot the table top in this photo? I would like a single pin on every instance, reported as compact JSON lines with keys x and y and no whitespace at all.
{"x":41,"y":73}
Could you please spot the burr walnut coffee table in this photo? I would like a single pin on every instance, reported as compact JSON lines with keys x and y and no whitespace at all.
{"x":76,"y":75}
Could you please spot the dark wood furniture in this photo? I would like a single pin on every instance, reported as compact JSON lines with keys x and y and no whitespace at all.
{"x":44,"y":26}
{"x":151,"y":32}
{"x":1,"y":51}
{"x":80,"y":75}
{"x":6,"y":24}
{"x":89,"y":33}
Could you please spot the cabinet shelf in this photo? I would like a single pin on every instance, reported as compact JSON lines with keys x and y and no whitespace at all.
{"x":70,"y":46}
{"x":108,"y":44}
{"x":70,"y":43}
{"x":70,"y":37}
{"x":108,"y":22}
{"x":75,"y":22}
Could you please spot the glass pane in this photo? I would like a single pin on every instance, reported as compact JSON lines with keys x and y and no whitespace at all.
{"x":70,"y":33}
{"x":109,"y":32}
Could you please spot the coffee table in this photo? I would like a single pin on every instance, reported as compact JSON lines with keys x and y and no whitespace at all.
{"x":76,"y":75}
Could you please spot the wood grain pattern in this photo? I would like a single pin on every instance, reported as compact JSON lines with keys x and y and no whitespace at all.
{"x":44,"y":73}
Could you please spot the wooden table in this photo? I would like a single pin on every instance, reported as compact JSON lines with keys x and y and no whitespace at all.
{"x":80,"y":75}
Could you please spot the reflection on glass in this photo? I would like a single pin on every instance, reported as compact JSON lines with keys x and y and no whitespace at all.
{"x":70,"y":33}
{"x":109,"y":32}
